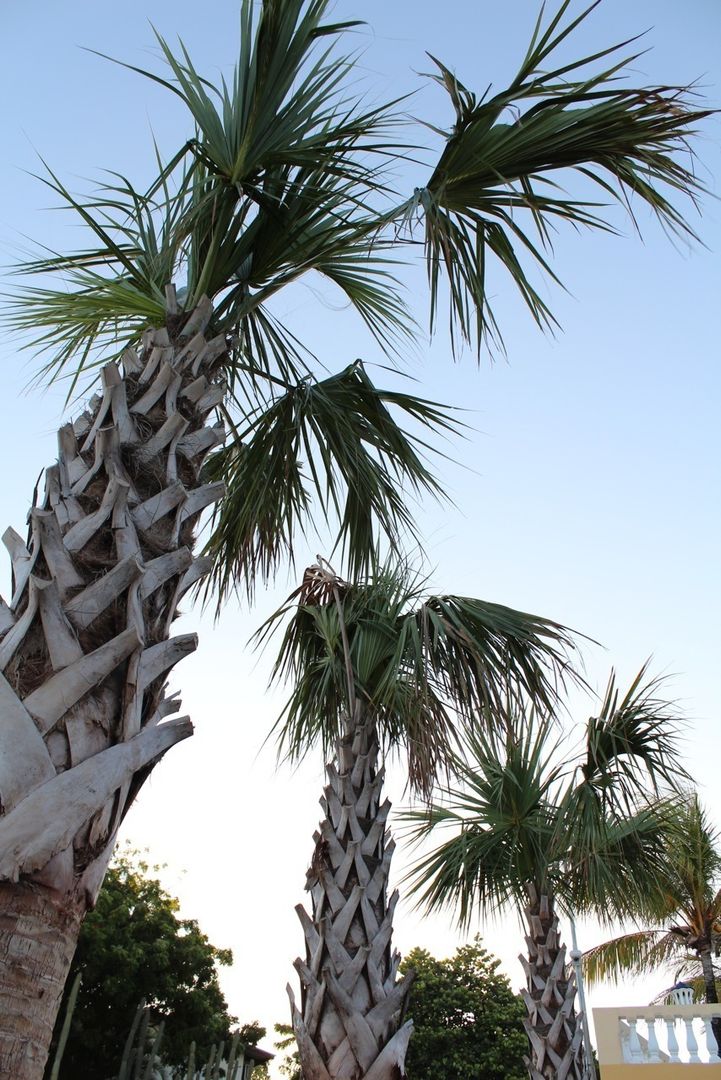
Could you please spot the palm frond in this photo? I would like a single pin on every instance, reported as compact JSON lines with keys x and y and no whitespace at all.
{"x":616,"y":863}
{"x":636,"y":953}
{"x":278,"y":180}
{"x":427,"y":669}
{"x":111,"y":292}
{"x":694,"y":865}
{"x":503,"y":815}
{"x":633,"y":742}
{"x":500,"y":159}
{"x":334,"y":444}
{"x":484,"y":655}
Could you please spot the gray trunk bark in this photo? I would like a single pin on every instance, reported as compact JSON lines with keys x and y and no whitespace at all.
{"x":553,"y":1026}
{"x":709,"y":976}
{"x":85,"y":653}
{"x":350,"y":1025}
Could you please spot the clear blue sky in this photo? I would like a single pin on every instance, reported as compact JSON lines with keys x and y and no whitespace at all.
{"x":587,"y":490}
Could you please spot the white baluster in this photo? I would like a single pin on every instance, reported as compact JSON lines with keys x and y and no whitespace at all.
{"x":711,"y":1044}
{"x":635,"y":1050}
{"x":691,"y":1040}
{"x":672,"y":1040}
{"x":654,"y":1053}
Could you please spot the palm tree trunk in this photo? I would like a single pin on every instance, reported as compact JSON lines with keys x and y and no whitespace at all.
{"x":85,"y":652}
{"x":709,"y":975}
{"x":710,"y":992}
{"x":553,"y":1026}
{"x":351,"y":1022}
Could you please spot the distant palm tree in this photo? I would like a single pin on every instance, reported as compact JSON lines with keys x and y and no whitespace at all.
{"x":542,"y":832}
{"x":378,"y":668}
{"x":688,"y":909}
{"x":285,"y":172}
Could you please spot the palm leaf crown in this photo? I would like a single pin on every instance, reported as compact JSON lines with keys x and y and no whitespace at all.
{"x":422,"y":668}
{"x":589,"y":831}
{"x":286,"y":171}
{"x":686,"y":907}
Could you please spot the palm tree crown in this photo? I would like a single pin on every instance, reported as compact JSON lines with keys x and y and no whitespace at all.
{"x":286,"y":171}
{"x":686,"y":905}
{"x":590,"y":832}
{"x":532,"y":832}
{"x":424,"y":667}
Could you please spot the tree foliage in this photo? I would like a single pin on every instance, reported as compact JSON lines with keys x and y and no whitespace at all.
{"x":135,"y":946}
{"x":468,"y":1022}
{"x":687,"y":907}
{"x":589,"y":829}
{"x":285,"y":171}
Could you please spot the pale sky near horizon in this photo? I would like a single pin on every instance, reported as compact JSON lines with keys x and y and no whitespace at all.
{"x":587,"y":489}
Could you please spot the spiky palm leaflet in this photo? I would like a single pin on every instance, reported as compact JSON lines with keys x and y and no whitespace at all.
{"x":531,"y":833}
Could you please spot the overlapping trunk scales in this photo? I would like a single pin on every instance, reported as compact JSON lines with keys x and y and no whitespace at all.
{"x":85,"y":652}
{"x":553,"y":1027}
{"x":350,"y":1025}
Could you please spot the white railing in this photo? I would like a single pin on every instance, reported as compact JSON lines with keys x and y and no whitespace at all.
{"x":659,"y":1034}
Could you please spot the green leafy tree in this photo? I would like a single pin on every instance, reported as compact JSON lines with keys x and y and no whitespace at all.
{"x":467,"y":1022}
{"x":542,"y":831}
{"x":284,"y":172}
{"x":289,"y":1065}
{"x":135,"y":946}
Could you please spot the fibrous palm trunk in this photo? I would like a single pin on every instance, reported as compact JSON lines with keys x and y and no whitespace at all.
{"x":709,"y":975}
{"x":351,"y":1022}
{"x":553,"y":1027}
{"x":709,"y":982}
{"x":85,"y":651}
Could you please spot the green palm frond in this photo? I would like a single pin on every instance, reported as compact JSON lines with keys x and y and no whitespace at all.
{"x":503,"y":816}
{"x":521,"y":818}
{"x":335,"y":444}
{"x":635,"y":739}
{"x":485,"y":655}
{"x":278,"y":180}
{"x":636,"y":953}
{"x":694,"y":868}
{"x":506,"y":155}
{"x":428,"y":669}
{"x":111,"y":293}
{"x":618,"y":861}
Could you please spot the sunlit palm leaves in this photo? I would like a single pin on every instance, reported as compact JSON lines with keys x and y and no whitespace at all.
{"x":686,"y":906}
{"x":522,"y":816}
{"x":427,"y":668}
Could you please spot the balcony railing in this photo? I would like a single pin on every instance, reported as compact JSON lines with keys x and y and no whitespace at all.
{"x":663,"y":1036}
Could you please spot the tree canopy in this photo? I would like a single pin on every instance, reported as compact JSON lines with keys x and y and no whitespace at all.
{"x":467,"y":1020}
{"x":134,"y":946}
{"x":285,"y":171}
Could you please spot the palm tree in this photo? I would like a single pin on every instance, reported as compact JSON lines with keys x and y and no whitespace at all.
{"x":378,"y":668}
{"x":533,"y":832}
{"x":284,"y":172}
{"x":688,"y":907}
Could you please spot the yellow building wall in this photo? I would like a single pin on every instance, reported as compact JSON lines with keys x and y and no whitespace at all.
{"x":660,"y":1072}
{"x":610,"y":1055}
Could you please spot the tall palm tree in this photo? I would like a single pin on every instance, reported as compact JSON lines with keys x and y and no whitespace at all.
{"x":284,"y":172}
{"x":378,"y":668}
{"x":533,"y":832}
{"x":687,"y":907}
